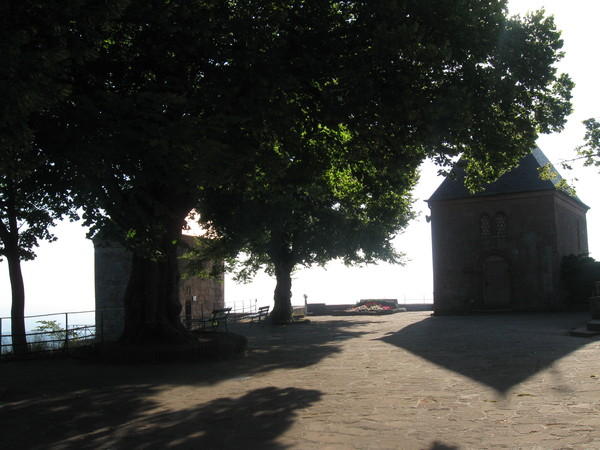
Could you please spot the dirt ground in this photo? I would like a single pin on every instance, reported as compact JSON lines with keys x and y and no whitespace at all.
{"x":403,"y":381}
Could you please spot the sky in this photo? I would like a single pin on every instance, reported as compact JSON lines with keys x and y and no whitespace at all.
{"x":61,"y":279}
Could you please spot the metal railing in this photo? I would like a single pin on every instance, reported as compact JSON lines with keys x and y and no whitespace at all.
{"x":59,"y":340}
{"x":59,"y":332}
{"x":50,"y":336}
{"x":241,"y":309}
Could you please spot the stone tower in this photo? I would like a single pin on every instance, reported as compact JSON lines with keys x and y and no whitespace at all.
{"x":501,"y":248}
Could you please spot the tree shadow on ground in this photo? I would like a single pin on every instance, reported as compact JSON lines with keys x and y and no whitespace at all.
{"x":296,"y":346}
{"x":254,"y":420}
{"x":500,"y":351}
{"x":57,"y":400}
{"x":126,"y":417}
{"x":441,"y":446}
{"x":269,"y":348}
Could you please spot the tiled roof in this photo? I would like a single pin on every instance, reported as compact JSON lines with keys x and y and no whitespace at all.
{"x":523,"y":178}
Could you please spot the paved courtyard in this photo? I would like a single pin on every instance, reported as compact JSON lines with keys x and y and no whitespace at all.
{"x":401,"y":381}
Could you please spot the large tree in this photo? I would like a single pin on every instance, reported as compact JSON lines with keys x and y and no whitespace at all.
{"x":306,"y":120}
{"x":148,"y":125}
{"x":350,"y":97}
{"x":40,"y":42}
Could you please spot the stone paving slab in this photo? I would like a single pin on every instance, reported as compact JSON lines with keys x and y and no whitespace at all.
{"x":400,"y":381}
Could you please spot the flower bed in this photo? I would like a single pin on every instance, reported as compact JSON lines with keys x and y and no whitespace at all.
{"x":375,"y":307}
{"x":370,"y":307}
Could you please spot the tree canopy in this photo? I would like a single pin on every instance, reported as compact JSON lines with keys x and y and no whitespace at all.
{"x":148,"y":125}
{"x":296,"y":128}
{"x":40,"y":43}
{"x":590,"y":150}
{"x":350,"y":97}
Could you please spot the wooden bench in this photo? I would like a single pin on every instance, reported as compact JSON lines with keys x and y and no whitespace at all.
{"x":219,"y":316}
{"x":260,"y":315}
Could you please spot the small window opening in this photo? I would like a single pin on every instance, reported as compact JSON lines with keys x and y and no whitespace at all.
{"x":501,"y":224}
{"x":485,"y":226}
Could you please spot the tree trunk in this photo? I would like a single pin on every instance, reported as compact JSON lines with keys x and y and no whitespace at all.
{"x":282,"y":310}
{"x":152,"y":305}
{"x":17,"y":314}
{"x":9,"y":233}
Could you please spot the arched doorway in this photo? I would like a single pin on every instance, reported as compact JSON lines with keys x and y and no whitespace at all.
{"x":496,"y":282}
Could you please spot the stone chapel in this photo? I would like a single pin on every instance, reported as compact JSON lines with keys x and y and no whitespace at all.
{"x":501,"y":248}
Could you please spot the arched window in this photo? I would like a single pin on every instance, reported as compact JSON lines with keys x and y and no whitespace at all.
{"x":501,"y":224}
{"x":485,"y":225}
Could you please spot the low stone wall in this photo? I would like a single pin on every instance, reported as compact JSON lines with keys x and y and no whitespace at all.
{"x":322,"y":309}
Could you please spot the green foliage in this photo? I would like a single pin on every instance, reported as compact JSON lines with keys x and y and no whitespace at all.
{"x":55,"y":329}
{"x":548,"y":172}
{"x":197,"y":263}
{"x":144,"y":129}
{"x":297,"y":128}
{"x":40,"y":44}
{"x":34,"y":58}
{"x":345,"y":99}
{"x":150,"y":122}
{"x":49,"y":335}
{"x":590,"y":151}
{"x":579,"y":274}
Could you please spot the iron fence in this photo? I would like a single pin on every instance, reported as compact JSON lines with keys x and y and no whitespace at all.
{"x":59,"y":332}
{"x":241,"y":309}
{"x":51,"y":333}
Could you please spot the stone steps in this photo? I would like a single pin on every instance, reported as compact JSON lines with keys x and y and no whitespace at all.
{"x":594,"y":325}
{"x":589,"y":329}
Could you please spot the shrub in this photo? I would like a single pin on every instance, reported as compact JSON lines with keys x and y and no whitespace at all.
{"x":50,"y":335}
{"x":579,"y":274}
